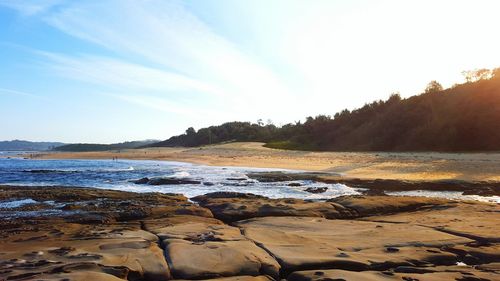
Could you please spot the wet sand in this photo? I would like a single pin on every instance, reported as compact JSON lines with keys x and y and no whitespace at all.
{"x":410,"y":166}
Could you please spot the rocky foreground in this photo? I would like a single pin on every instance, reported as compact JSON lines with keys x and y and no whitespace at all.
{"x":93,"y":234}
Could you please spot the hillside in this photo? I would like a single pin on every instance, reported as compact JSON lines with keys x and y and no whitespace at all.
{"x":22,"y":145}
{"x":102,"y":147}
{"x":465,"y":117}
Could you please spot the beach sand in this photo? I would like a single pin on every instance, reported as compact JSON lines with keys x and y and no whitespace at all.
{"x":412,"y":166}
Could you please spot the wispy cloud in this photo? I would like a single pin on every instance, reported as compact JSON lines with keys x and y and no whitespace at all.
{"x":19,"y":93}
{"x":119,"y":74}
{"x":29,"y":8}
{"x":175,"y":52}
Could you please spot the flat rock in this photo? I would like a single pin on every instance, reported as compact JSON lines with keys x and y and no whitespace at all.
{"x":344,"y":275}
{"x":92,"y":205}
{"x":232,"y":206}
{"x":373,"y":205}
{"x":240,"y":278}
{"x":300,"y":243}
{"x":207,"y":248}
{"x":192,"y":228}
{"x":192,"y":260}
{"x":74,"y":276}
{"x":475,"y":220}
{"x":82,"y":251}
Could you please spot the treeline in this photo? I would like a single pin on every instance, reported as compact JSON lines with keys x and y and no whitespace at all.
{"x":82,"y":147}
{"x":465,"y":117}
{"x":232,"y":131}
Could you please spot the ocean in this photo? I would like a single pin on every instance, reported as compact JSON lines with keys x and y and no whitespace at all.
{"x":118,"y":174}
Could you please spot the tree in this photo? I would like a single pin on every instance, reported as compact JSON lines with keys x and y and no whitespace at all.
{"x":395,"y":97}
{"x":433,"y":87}
{"x":190,"y":131}
{"x":478,"y":74}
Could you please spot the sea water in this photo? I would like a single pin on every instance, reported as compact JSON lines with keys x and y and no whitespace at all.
{"x":119,"y":174}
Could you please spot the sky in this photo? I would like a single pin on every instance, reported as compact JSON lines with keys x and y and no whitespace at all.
{"x":115,"y":70}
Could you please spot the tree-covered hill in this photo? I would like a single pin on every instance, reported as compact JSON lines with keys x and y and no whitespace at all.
{"x":465,"y":117}
{"x":22,"y":145}
{"x":77,"y":147}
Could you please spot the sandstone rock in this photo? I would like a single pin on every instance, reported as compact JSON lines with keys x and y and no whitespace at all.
{"x":217,"y":259}
{"x":76,"y":251}
{"x":373,"y":205}
{"x":231,"y":206}
{"x":307,"y":243}
{"x":241,"y":278}
{"x":335,"y":274}
{"x":74,"y":276}
{"x":475,"y":220}
{"x":206,"y":248}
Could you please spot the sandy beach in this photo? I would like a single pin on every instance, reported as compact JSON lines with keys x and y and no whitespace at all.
{"x":412,"y":166}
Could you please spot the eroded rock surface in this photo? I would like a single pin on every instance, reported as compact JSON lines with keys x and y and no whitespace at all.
{"x":464,"y":274}
{"x":91,"y":234}
{"x":381,"y":205}
{"x":77,"y":251}
{"x":210,"y":249}
{"x":231,"y":206}
{"x":306,"y":243}
{"x":475,"y":220}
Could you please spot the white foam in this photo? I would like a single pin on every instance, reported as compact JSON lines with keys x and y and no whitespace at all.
{"x":453,"y":195}
{"x":16,"y":203}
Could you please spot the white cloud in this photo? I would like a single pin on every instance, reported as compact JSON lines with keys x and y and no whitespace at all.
{"x":186,"y":53}
{"x":30,"y":8}
{"x":19,"y":93}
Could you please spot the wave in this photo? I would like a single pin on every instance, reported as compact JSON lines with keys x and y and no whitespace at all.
{"x":48,"y":171}
{"x":182,"y":174}
{"x":114,"y":170}
{"x":16,"y":203}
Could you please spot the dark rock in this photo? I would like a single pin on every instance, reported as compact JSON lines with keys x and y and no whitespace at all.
{"x":236,"y":179}
{"x":374,"y":192}
{"x":207,"y":183}
{"x":226,"y":195}
{"x":316,"y":189}
{"x":295,"y":184}
{"x":141,"y":181}
{"x":391,"y":249}
{"x":171,"y":181}
{"x":483,"y":192}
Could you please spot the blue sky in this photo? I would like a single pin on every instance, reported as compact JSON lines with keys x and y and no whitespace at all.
{"x":109,"y":71}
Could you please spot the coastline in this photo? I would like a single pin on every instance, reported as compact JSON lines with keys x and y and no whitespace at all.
{"x":406,"y":166}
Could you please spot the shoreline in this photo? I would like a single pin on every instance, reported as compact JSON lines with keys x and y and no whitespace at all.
{"x":406,"y":166}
